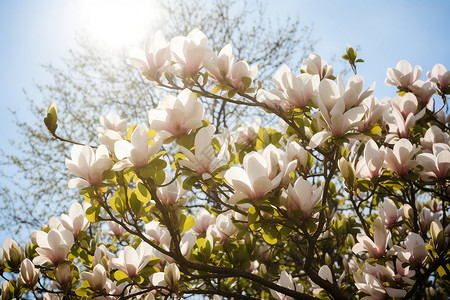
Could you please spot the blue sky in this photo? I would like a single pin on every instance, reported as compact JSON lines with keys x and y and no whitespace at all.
{"x":33,"y":33}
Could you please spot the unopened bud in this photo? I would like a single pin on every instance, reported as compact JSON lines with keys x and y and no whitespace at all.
{"x":13,"y":253}
{"x":171,"y":274}
{"x":347,"y":172}
{"x":6,"y":292}
{"x":29,"y":275}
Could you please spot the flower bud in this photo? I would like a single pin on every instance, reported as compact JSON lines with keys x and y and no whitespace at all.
{"x":171,"y":275}
{"x":29,"y":275}
{"x":13,"y":253}
{"x":51,"y":119}
{"x":6,"y":292}
{"x":347,"y":172}
{"x":437,"y":234}
{"x":63,"y":275}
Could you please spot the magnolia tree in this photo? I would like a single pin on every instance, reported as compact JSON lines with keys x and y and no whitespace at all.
{"x":348,"y":199}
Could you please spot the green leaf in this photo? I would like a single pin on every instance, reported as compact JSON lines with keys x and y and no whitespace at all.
{"x":189,"y":182}
{"x":92,"y":213}
{"x":269,"y":239}
{"x":247,"y":81}
{"x":142,"y":193}
{"x":215,"y":89}
{"x":188,"y":223}
{"x":117,"y":204}
{"x":359,"y":60}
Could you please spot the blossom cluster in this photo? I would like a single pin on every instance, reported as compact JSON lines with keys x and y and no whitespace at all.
{"x":348,"y":197}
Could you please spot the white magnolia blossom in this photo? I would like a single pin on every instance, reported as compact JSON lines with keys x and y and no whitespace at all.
{"x":53,"y":246}
{"x":220,"y":65}
{"x":403,"y":75}
{"x":113,"y":122}
{"x":204,"y":159}
{"x":373,"y":113}
{"x":247,"y":133}
{"x":381,"y":239}
{"x":440,"y":76}
{"x":432,"y":136}
{"x":96,"y":279}
{"x":28,"y":274}
{"x":400,"y":159}
{"x":171,"y":193}
{"x":389,"y":212}
{"x":371,"y":165}
{"x":131,"y":261}
{"x":88,"y":165}
{"x":203,"y":220}
{"x":315,"y":65}
{"x":302,"y":195}
{"x":241,"y":70}
{"x":423,"y":90}
{"x":189,"y":51}
{"x":137,"y":152}
{"x":224,"y":228}
{"x":154,"y":58}
{"x":177,"y":116}
{"x":116,"y":230}
{"x":414,"y":249}
{"x":436,"y":165}
{"x":76,"y":221}
{"x":253,"y":181}
{"x":103,"y":256}
{"x":286,"y":281}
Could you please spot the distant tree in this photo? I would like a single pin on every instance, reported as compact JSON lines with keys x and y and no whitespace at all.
{"x":93,"y":81}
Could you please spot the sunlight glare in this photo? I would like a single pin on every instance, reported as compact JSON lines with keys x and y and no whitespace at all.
{"x":118,"y":24}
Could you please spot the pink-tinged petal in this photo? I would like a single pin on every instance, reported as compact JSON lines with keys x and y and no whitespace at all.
{"x":328,"y":92}
{"x":120,"y":165}
{"x":319,"y":139}
{"x":238,"y":178}
{"x":139,"y":138}
{"x":261,"y":186}
{"x":255,"y":166}
{"x":74,"y":169}
{"x":77,"y":182}
{"x":122,"y":149}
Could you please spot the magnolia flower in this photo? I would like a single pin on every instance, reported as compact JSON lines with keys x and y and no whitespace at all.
{"x":88,"y":165}
{"x":108,"y":138}
{"x":399,"y":273}
{"x":12,"y":252}
{"x":171,"y":194}
{"x":303,"y":196}
{"x":286,"y":281}
{"x":171,"y":274}
{"x":432,"y":136}
{"x":326,"y":274}
{"x":298,"y":89}
{"x":400,"y":158}
{"x":296,"y":152}
{"x":414,"y":250}
{"x":116,"y":230}
{"x":423,"y":90}
{"x":96,"y":279}
{"x":205,"y":161}
{"x":315,"y":65}
{"x":224,"y":228}
{"x":189,"y":51}
{"x":440,"y":76}
{"x":426,"y":217}
{"x":154,"y":58}
{"x":131,"y":261}
{"x":63,"y":275}
{"x":273,"y":98}
{"x":247,"y":133}
{"x":103,"y":256}
{"x":76,"y":221}
{"x":389,"y":212}
{"x":278,"y":163}
{"x":372,"y":163}
{"x":138,"y":152}
{"x":372,"y":114}
{"x":28,"y":274}
{"x":203,"y":220}
{"x":373,"y":286}
{"x":158,"y":233}
{"x":241,"y":70}
{"x":113,"y":122}
{"x":253,"y":181}
{"x":177,"y":116}
{"x":53,"y":246}
{"x":381,"y":238}
{"x":402,"y":75}
{"x":435,"y":165}
{"x":220,"y":66}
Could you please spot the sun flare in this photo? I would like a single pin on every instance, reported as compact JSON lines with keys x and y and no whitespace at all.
{"x":118,"y":24}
